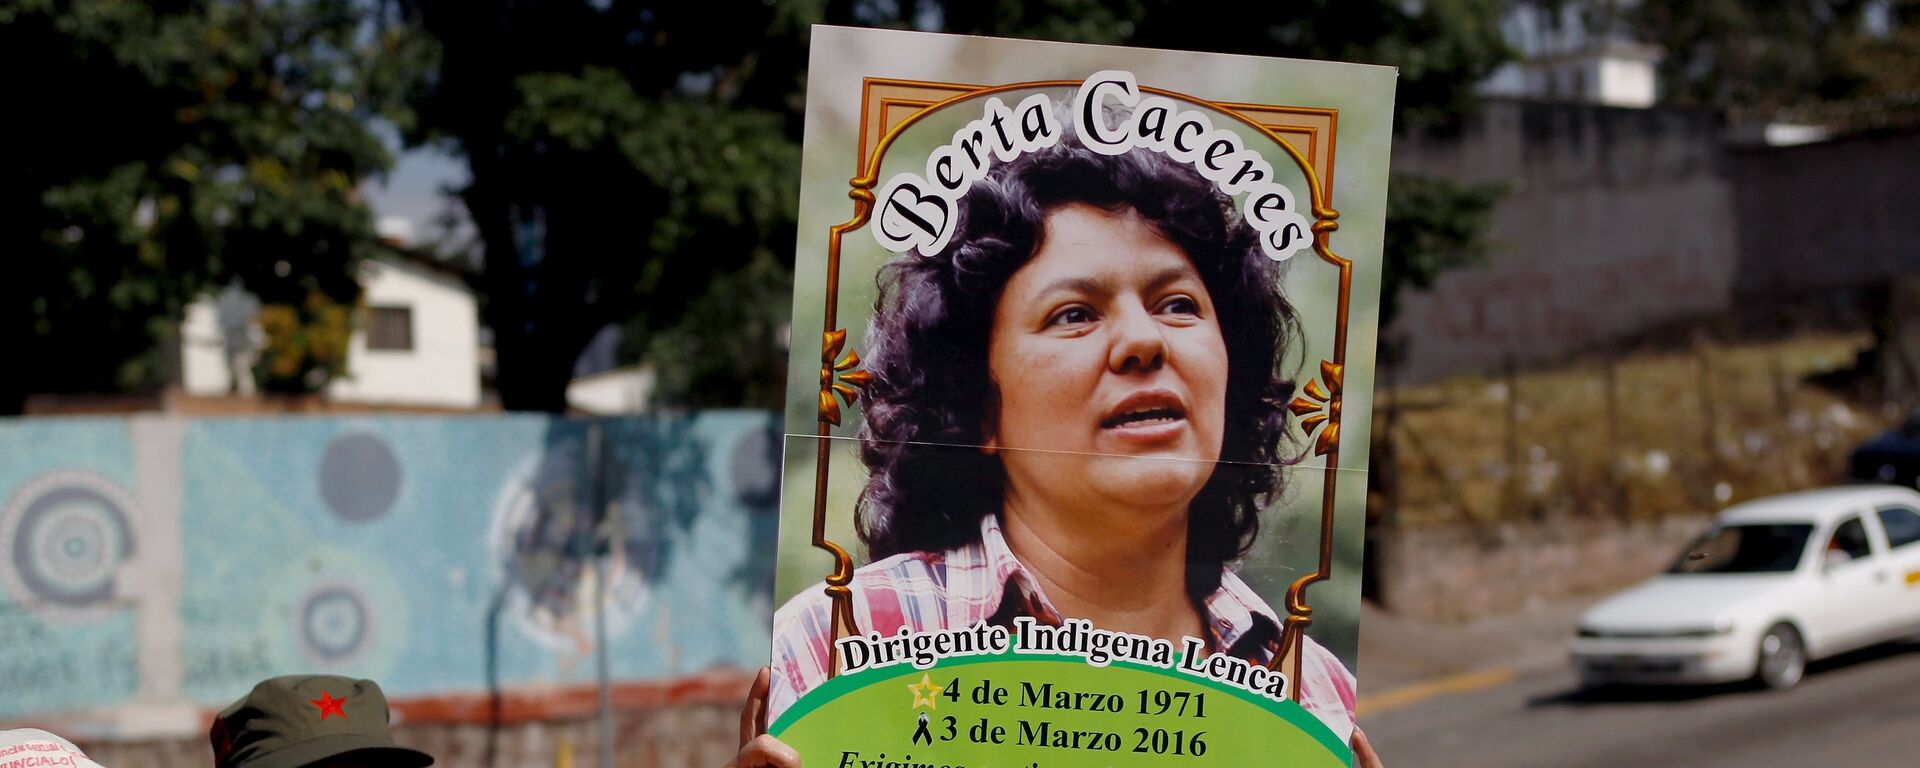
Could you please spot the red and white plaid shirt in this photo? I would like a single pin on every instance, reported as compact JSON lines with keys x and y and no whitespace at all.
{"x":985,"y":581}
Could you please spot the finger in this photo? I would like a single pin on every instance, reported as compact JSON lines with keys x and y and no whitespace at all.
{"x":754,"y":711}
{"x":762,"y":688}
{"x":1363,"y":754}
{"x":766,"y":752}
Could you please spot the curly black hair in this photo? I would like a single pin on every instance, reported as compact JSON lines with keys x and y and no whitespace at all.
{"x":931,"y":401}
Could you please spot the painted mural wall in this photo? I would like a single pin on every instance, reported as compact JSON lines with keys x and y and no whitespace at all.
{"x":158,"y":562}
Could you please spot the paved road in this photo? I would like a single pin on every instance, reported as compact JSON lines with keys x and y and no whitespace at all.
{"x":1858,"y":710}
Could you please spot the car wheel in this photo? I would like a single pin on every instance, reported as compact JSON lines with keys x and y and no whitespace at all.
{"x":1783,"y":658}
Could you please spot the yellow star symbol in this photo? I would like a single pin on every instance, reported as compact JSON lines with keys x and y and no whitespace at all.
{"x":925,"y":693}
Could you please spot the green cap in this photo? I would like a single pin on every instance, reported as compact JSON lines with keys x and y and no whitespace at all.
{"x":298,"y":720}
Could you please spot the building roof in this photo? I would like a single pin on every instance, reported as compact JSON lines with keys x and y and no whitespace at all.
{"x":395,"y":252}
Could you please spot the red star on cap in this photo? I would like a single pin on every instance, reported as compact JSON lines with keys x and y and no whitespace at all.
{"x":329,"y":705}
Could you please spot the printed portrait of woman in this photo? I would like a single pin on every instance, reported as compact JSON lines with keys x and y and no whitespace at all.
{"x":1077,"y":412}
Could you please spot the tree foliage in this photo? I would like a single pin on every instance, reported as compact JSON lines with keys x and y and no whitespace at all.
{"x":623,"y":155}
{"x":163,"y":149}
{"x":729,"y":349}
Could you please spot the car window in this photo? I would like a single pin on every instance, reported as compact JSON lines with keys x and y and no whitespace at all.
{"x":1758,"y":548}
{"x":1902,"y":525}
{"x":1849,"y":542}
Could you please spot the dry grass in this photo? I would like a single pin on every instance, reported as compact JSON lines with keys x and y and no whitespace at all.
{"x":1685,"y":432}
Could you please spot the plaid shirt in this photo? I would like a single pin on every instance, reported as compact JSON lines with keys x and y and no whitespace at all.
{"x":984,"y":581}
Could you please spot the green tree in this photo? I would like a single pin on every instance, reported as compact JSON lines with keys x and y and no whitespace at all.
{"x":623,"y":155}
{"x":729,"y":349}
{"x":164,"y":149}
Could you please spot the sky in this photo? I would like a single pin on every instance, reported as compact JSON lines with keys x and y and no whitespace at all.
{"x":413,"y":198}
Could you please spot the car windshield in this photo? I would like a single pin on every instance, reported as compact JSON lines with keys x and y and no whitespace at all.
{"x":1760,"y":548}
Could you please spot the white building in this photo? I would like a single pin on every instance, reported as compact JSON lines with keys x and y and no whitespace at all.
{"x":416,"y":340}
{"x":1561,"y":60}
{"x":618,"y":391}
{"x":1611,"y":73}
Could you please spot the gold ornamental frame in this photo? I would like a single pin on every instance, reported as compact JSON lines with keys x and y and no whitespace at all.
{"x":887,"y":108}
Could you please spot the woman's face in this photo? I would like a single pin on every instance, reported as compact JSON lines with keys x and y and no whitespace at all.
{"x":1108,"y":361}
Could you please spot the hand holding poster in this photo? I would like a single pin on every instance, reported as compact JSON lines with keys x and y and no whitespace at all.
{"x":1089,"y":436}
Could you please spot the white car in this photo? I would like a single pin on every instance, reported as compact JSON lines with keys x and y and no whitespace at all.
{"x":1774,"y":583}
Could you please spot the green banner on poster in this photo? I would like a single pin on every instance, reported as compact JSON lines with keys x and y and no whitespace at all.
{"x":1029,"y":710}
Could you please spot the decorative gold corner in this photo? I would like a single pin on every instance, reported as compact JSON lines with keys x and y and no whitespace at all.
{"x":1323,"y":403}
{"x":838,"y":377}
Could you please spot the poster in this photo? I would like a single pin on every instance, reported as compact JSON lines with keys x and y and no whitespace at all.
{"x":1078,"y":404}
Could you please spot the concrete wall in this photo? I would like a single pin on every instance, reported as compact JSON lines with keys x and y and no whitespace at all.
{"x":1836,"y":215}
{"x":1461,"y":572}
{"x":155,"y":568}
{"x":1617,"y":220}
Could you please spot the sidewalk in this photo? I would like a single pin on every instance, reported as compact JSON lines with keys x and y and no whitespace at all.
{"x":1404,"y":659}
